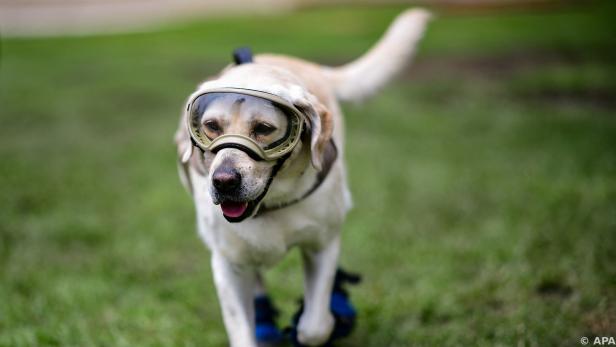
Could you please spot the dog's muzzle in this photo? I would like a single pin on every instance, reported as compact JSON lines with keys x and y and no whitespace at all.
{"x":258,"y":151}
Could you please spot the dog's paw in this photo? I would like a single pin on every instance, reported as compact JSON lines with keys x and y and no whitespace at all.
{"x":315,"y":332}
{"x":340,"y":323}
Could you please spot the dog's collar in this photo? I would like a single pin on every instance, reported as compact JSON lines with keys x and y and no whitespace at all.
{"x":329,"y":157}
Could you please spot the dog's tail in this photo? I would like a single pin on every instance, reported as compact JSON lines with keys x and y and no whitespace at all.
{"x":364,"y":76}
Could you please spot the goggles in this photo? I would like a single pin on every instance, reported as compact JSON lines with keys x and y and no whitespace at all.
{"x":259,"y":150}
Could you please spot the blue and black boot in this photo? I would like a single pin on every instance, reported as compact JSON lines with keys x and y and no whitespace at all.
{"x":266,"y":330}
{"x":340,"y":306}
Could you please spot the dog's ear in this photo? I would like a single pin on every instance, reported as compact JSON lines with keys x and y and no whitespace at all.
{"x":185,"y":151}
{"x":320,"y":126}
{"x":182,"y":141}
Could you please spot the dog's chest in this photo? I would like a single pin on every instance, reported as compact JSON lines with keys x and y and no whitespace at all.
{"x":264,"y":242}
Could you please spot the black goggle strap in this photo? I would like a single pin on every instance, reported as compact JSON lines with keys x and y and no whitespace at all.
{"x":242,"y":148}
{"x":252,"y":154}
{"x":279,"y":163}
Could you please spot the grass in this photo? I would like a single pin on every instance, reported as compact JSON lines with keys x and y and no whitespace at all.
{"x":484,"y":182}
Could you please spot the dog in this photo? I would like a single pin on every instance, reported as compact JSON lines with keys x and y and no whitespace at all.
{"x":261,"y":151}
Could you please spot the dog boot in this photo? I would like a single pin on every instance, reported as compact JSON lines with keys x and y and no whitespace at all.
{"x":340,"y":306}
{"x":267,"y":332}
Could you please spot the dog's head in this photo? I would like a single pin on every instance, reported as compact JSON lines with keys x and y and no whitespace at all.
{"x":239,"y":179}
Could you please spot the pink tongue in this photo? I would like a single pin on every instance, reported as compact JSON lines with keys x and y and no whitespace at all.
{"x":233,"y":209}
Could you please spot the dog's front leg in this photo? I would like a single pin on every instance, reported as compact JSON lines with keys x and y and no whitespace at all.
{"x":235,"y":285}
{"x":316,"y":323}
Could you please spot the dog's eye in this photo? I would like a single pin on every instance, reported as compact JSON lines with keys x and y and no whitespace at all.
{"x":263,"y":129}
{"x":212,"y":125}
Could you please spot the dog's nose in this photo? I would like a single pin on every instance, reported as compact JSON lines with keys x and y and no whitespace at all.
{"x":226,"y":179}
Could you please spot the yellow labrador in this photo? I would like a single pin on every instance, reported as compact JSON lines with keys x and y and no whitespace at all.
{"x":261,"y":151}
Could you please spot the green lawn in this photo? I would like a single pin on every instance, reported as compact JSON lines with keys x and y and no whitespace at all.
{"x":484,"y":182}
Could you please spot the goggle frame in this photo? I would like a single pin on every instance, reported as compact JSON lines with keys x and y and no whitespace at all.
{"x":295,"y":126}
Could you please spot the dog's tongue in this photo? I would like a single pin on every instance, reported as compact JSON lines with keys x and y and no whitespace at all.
{"x":233,"y":209}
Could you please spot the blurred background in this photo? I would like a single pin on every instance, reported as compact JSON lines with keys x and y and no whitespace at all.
{"x":484,"y":179}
